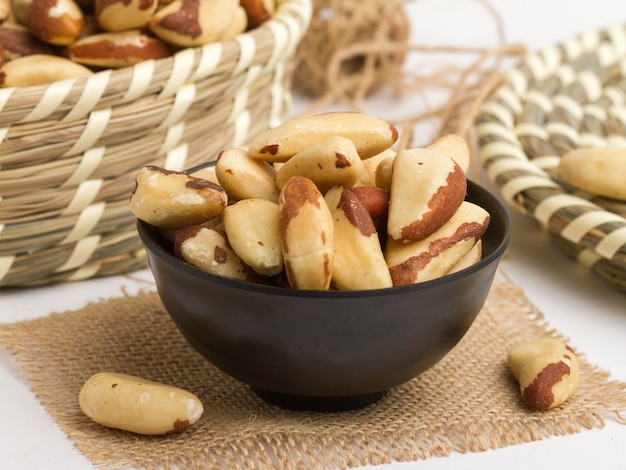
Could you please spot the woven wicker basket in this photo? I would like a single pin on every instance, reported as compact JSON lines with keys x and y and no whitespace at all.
{"x":561,"y":98}
{"x":69,"y":151}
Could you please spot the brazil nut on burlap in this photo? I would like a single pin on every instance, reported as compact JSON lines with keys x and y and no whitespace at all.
{"x":467,"y":402}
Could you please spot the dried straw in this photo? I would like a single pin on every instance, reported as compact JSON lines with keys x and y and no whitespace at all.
{"x":374,"y":35}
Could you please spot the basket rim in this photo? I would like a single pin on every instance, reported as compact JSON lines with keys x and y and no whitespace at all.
{"x":290,"y":20}
{"x":198,"y":101}
{"x":518,"y":123}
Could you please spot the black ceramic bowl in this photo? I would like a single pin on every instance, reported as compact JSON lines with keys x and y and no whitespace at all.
{"x":326,"y":350}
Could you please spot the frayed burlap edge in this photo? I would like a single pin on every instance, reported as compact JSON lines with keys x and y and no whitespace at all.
{"x":466,"y":403}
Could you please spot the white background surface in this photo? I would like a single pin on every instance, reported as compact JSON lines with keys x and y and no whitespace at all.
{"x":588,"y":312}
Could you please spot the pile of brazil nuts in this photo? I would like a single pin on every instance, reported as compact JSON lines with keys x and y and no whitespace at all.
{"x":48,"y":40}
{"x":321,"y":202}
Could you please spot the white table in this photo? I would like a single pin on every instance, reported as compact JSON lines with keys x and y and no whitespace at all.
{"x":588,"y":312}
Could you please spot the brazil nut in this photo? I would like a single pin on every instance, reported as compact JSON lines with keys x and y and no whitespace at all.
{"x":117,"y":49}
{"x":206,"y":247}
{"x":435,"y":255}
{"x":251,"y":226}
{"x":427,"y":188}
{"x":369,"y":134}
{"x":547,"y":370}
{"x":193,"y":22}
{"x":599,"y":171}
{"x":170,"y":199}
{"x":58,"y":22}
{"x":358,"y":260}
{"x":138,"y":405}
{"x":120,"y":15}
{"x":331,"y":162}
{"x":38,"y":69}
{"x":244,"y":177}
{"x":307,"y":235}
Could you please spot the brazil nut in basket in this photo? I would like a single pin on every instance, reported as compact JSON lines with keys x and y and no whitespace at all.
{"x":69,"y":151}
{"x":565,"y":97}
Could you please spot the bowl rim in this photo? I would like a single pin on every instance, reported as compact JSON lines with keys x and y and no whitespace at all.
{"x":148,"y":234}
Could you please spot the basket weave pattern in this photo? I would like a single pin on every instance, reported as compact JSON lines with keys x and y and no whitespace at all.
{"x":69,"y":151}
{"x":564,"y":97}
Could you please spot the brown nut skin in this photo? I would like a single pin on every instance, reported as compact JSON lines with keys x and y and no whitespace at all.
{"x":18,"y":41}
{"x":307,"y":234}
{"x":435,"y":255}
{"x":58,"y":22}
{"x":172,"y":199}
{"x":358,"y":261}
{"x":121,"y":15}
{"x":547,"y":370}
{"x":427,"y":187}
{"x":193,"y":22}
{"x":117,"y":49}
{"x":39,"y":69}
{"x":376,"y":202}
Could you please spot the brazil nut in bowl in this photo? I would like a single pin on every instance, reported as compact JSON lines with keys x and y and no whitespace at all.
{"x":324,"y":349}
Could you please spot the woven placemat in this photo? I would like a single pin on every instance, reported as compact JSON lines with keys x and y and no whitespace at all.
{"x":467,"y":402}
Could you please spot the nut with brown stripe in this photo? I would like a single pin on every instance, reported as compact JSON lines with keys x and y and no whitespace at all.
{"x":307,"y":234}
{"x":116,"y":49}
{"x":435,"y":255}
{"x":376,"y":202}
{"x":207,"y":248}
{"x":58,"y":22}
{"x":193,"y":22}
{"x":172,"y":199}
{"x":120,"y":15}
{"x":358,"y":262}
{"x":547,"y":370}
{"x":18,"y":41}
{"x":427,"y":187}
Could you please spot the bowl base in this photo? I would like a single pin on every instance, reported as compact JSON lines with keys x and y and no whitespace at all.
{"x":320,"y":404}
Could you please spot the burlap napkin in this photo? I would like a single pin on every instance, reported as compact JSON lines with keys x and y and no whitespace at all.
{"x":467,"y":402}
